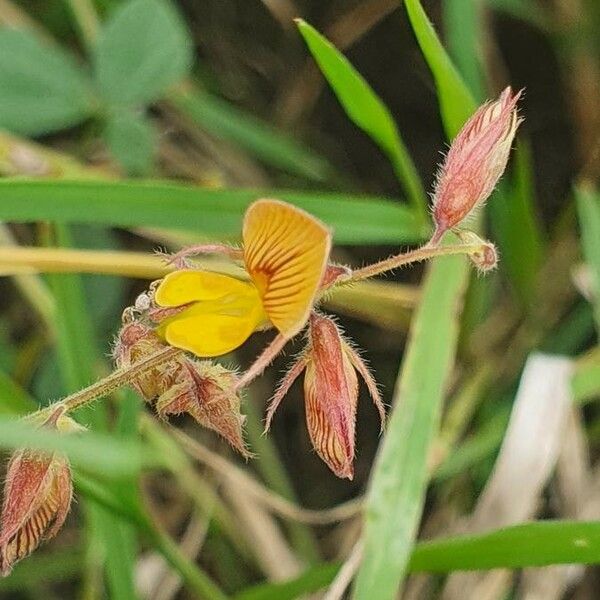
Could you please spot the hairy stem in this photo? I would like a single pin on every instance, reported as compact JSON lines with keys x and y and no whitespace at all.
{"x":424,"y":253}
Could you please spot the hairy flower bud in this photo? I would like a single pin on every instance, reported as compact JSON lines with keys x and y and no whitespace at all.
{"x":485,"y":256}
{"x":204,"y":390}
{"x":476,"y":160}
{"x":330,"y":392}
{"x":37,"y":498}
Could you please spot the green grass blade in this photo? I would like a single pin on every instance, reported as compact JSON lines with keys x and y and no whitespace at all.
{"x":463,"y":26}
{"x":92,"y":451}
{"x":399,"y":480}
{"x":456,"y":101}
{"x":588,"y":207}
{"x":78,"y":354}
{"x":516,"y":230}
{"x":400,"y":476}
{"x":225,"y":121}
{"x":529,"y":545}
{"x":218,"y":213}
{"x":13,"y":399}
{"x":536,"y":544}
{"x":366,"y":110}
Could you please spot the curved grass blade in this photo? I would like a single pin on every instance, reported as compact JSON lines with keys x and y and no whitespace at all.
{"x":456,"y":101}
{"x":536,"y":544}
{"x":366,"y":110}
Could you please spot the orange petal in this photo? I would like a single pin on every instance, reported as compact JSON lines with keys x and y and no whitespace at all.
{"x":182,"y":287}
{"x":286,"y":252}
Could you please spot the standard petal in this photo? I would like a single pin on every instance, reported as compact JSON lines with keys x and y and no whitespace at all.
{"x":182,"y":287}
{"x":286,"y":252}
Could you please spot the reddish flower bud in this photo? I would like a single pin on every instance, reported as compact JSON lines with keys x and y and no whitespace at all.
{"x":37,"y":498}
{"x":476,"y":160}
{"x":204,"y":390}
{"x":331,"y":392}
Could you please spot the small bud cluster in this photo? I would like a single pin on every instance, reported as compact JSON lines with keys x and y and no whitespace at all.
{"x":204,"y":390}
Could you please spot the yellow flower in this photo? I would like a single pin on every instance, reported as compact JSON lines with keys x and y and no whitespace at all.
{"x":285,"y":252}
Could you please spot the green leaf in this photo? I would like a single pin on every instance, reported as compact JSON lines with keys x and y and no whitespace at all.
{"x":400,"y":475}
{"x":366,"y":110}
{"x":131,"y":139}
{"x":111,"y":543}
{"x":14,"y":400}
{"x":529,"y":545}
{"x":463,"y":24}
{"x":42,"y":89}
{"x":536,"y":544}
{"x":588,"y":207}
{"x":143,"y":49}
{"x":456,"y":101}
{"x":515,"y":228}
{"x":218,"y":213}
{"x":225,"y":121}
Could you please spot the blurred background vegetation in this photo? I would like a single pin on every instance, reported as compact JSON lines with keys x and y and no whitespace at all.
{"x":133,"y":125}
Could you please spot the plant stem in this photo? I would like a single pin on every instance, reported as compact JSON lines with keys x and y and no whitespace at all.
{"x":424,"y":253}
{"x":112,"y":382}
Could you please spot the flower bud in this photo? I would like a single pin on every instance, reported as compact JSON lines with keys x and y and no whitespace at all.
{"x":476,"y":160}
{"x":484,"y":255}
{"x":203,"y":390}
{"x":37,"y":498}
{"x":206,"y":391}
{"x":330,"y":392}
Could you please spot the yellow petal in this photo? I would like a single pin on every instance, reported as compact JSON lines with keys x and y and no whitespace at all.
{"x":182,"y":287}
{"x":286,"y":252}
{"x":215,"y":327}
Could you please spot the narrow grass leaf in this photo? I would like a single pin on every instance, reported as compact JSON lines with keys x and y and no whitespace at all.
{"x":225,"y":121}
{"x":366,"y":110}
{"x":96,"y":452}
{"x":78,"y":355}
{"x":463,"y":24}
{"x":536,"y":544}
{"x":456,"y":101}
{"x":516,"y":229}
{"x":217,"y":213}
{"x":588,"y":206}
{"x":400,"y":476}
